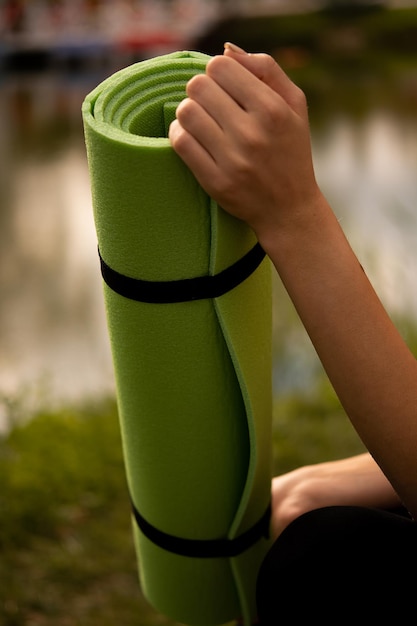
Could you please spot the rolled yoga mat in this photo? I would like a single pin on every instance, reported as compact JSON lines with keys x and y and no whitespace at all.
{"x":187,"y":293}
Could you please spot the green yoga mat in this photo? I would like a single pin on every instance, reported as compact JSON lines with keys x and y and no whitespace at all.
{"x":187,"y":292}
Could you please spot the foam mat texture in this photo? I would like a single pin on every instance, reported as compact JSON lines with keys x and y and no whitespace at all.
{"x":193,"y":379}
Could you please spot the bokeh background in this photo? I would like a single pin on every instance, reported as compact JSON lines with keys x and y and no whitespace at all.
{"x":64,"y":522}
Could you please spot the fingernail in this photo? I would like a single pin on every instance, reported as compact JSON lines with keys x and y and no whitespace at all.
{"x":234,"y":48}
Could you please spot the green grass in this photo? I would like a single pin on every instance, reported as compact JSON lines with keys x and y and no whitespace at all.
{"x":65,"y":534}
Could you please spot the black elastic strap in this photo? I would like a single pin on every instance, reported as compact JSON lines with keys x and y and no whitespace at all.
{"x":170,"y":291}
{"x":205,"y":548}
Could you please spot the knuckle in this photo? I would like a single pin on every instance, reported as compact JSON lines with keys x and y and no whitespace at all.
{"x":179,"y":138}
{"x":272,"y":111}
{"x":217,"y":64}
{"x":299,"y":97}
{"x":268,"y":65}
{"x":289,"y":515}
{"x":223,"y":185}
{"x":185,"y":110}
{"x":237,"y":175}
{"x":226,"y":186}
{"x":268,"y":61}
{"x":253,"y":140}
{"x":196,"y":84}
{"x":289,"y":511}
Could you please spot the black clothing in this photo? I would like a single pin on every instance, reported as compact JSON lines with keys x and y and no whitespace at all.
{"x":341,"y":565}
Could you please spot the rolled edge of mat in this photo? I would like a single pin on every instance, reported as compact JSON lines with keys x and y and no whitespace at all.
{"x":119,"y":106}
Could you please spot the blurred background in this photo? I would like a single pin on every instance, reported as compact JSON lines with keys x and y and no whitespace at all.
{"x":357,"y":63}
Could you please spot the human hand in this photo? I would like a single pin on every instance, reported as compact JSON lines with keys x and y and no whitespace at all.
{"x":243,"y":131}
{"x":355,"y":481}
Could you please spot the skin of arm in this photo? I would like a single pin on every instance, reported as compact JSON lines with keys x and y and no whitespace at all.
{"x":243,"y":130}
{"x":355,"y":481}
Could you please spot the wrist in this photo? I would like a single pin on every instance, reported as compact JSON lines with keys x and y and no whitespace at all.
{"x":279,"y":235}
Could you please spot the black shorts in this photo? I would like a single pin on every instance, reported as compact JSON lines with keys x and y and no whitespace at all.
{"x":341,"y":565}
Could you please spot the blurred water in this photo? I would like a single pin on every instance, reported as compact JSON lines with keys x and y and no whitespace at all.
{"x":53,"y":338}
{"x":368,"y":171}
{"x":52,"y":331}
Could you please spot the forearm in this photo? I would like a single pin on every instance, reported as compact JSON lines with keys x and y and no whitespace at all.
{"x":365,"y":483}
{"x":370,"y":367}
{"x":355,"y":481}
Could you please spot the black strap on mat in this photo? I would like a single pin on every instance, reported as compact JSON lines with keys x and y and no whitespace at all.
{"x":205,"y":548}
{"x":186,"y":289}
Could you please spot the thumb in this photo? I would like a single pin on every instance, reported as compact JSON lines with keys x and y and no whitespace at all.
{"x":264,"y":67}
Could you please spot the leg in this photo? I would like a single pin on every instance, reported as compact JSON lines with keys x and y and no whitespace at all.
{"x":340,"y":565}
